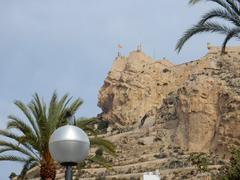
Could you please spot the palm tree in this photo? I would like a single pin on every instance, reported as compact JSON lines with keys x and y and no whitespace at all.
{"x":229,"y":11}
{"x":30,"y":138}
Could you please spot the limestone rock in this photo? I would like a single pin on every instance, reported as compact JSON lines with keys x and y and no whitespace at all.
{"x":146,"y":140}
{"x":137,"y":84}
{"x":197,"y":102}
{"x":197,"y":112}
{"x":161,"y":112}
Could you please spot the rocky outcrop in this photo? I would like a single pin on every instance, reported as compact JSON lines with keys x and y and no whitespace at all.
{"x":131,"y":88}
{"x":160,"y":113}
{"x":198,"y":102}
{"x":137,"y":84}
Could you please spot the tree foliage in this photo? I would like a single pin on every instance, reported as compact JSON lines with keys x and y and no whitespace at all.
{"x":227,"y":10}
{"x":231,"y":171}
{"x":29,"y":136}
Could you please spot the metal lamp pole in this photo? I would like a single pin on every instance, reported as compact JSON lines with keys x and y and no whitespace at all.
{"x":68,"y":171}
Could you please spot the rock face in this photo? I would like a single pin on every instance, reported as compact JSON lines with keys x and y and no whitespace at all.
{"x":198,"y":102}
{"x":160,"y":113}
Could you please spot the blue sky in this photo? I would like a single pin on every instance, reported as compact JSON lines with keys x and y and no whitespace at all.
{"x":69,"y":46}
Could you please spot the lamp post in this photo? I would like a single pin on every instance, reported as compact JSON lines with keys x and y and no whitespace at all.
{"x":69,"y":145}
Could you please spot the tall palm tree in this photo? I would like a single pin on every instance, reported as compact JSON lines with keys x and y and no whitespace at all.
{"x":229,"y":11}
{"x":30,"y":136}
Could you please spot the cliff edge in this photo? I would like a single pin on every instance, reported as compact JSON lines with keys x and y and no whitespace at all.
{"x":197,"y":102}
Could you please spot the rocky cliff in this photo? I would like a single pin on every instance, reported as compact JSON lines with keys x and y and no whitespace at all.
{"x":198,"y":102}
{"x":160,"y":113}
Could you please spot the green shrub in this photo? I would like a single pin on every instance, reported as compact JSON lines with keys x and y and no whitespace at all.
{"x":231,"y":171}
{"x":103,"y":125}
{"x":201,"y":160}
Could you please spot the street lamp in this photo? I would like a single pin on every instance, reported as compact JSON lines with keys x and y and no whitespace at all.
{"x":69,"y":145}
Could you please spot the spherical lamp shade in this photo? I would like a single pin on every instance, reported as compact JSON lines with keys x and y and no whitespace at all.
{"x":69,"y":144}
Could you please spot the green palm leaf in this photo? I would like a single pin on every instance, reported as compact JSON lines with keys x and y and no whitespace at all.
{"x":100,"y":160}
{"x":20,"y":140}
{"x":230,"y":12}
{"x":14,"y":147}
{"x":192,"y":2}
{"x":230,"y":35}
{"x":29,"y":135}
{"x":222,"y":14}
{"x":85,"y":125}
{"x":104,"y":144}
{"x":13,"y":158}
{"x":201,"y":28}
{"x":27,"y":113}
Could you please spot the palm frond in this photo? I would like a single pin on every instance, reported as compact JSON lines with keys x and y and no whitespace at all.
{"x":17,"y":148}
{"x":104,"y":144}
{"x":222,"y":14}
{"x":5,"y":149}
{"x":74,"y":106}
{"x":230,"y":11}
{"x":100,"y":160}
{"x":18,"y":124}
{"x":26,"y":112}
{"x":53,"y":113}
{"x":63,"y":102}
{"x":10,"y":135}
{"x":13,"y":158}
{"x":85,"y":121}
{"x":219,"y":2}
{"x":85,"y":125}
{"x":39,"y":118}
{"x":90,"y":131}
{"x":200,"y":28}
{"x":192,"y":2}
{"x":21,"y":140}
{"x":57,"y":112}
{"x":230,"y":35}
{"x":52,"y":108}
{"x":63,"y":109}
{"x":234,"y":6}
{"x":229,"y":5}
{"x":38,"y":109}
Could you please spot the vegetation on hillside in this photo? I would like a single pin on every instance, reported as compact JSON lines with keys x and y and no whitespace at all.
{"x":201,"y":160}
{"x":231,"y":171}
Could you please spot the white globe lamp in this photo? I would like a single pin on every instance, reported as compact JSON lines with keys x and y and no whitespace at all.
{"x":69,"y":145}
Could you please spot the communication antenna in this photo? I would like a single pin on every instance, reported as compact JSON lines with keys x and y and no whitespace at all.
{"x":119,"y":46}
{"x":139,"y":48}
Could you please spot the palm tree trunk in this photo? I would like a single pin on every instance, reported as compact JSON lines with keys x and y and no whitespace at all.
{"x":48,"y":171}
{"x":48,"y":167}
